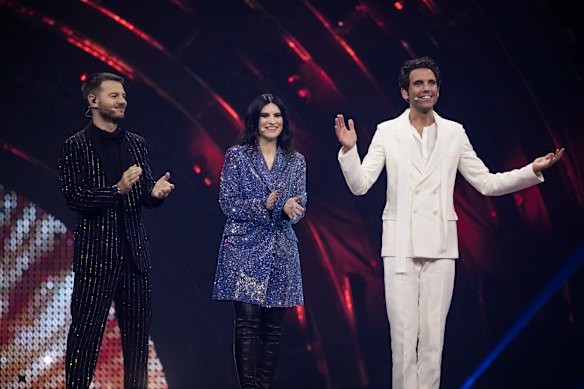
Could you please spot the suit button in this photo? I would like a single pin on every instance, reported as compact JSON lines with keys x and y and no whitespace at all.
{"x":435,"y":213}
{"x":434,"y":191}
{"x":417,"y":192}
{"x":415,"y":211}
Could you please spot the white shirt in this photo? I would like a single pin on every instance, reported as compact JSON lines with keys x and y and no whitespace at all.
{"x":427,"y":141}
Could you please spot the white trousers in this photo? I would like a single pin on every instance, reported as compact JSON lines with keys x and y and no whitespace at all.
{"x":417,"y":303}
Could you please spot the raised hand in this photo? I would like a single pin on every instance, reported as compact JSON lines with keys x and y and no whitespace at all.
{"x":271,"y":201}
{"x":163,"y":187}
{"x":346,"y":136}
{"x":129,"y":178}
{"x":292,"y":209}
{"x":547,"y":160}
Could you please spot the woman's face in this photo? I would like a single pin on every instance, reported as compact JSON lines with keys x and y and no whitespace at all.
{"x":271,"y":123}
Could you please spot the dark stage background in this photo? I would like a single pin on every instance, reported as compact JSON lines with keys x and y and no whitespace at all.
{"x":512,"y":74}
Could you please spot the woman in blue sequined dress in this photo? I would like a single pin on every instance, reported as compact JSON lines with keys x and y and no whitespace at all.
{"x":262,"y":193}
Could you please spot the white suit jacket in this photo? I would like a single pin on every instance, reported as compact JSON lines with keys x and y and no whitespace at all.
{"x":419,"y":218}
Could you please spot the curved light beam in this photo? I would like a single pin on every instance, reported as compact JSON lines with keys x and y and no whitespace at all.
{"x":75,"y":38}
{"x":566,"y":271}
{"x":232,"y":113}
{"x":295,"y":46}
{"x":347,"y":48}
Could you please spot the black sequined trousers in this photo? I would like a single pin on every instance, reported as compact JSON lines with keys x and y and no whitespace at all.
{"x":92,"y":296}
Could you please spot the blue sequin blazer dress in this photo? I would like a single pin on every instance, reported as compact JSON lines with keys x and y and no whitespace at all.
{"x":258,"y":258}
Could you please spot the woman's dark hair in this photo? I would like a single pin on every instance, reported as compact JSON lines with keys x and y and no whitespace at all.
{"x":417,"y":63}
{"x":250,"y":132}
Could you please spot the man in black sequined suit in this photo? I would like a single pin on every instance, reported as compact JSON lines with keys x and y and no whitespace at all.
{"x":106,"y":178}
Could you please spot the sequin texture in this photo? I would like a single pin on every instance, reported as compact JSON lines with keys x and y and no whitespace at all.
{"x":258,"y":259}
{"x":108,"y":264}
{"x":84,"y":186}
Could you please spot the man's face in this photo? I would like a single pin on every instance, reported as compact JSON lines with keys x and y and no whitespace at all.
{"x":423,"y":90}
{"x":109,"y":101}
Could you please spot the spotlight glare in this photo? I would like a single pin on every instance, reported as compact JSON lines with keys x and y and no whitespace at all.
{"x":304,"y":93}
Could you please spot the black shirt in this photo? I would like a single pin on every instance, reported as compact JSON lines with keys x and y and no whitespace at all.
{"x":113,"y":150}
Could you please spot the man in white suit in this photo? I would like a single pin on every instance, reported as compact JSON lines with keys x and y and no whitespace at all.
{"x":422,"y":152}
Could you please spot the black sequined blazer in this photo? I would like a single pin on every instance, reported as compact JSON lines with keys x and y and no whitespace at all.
{"x":85,"y":187}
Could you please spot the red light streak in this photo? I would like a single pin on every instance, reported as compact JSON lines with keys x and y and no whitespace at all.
{"x":327,"y":79}
{"x":348,"y":49}
{"x":407,"y":48}
{"x":105,"y":56}
{"x":207,"y":181}
{"x":251,"y":66}
{"x":347,"y":295}
{"x":27,"y":157}
{"x":125,"y":24}
{"x":431,"y":6}
{"x":48,"y":21}
{"x":76,"y":39}
{"x":297,"y":48}
{"x":301,"y":314}
{"x":18,"y":153}
{"x":340,"y":40}
{"x":151,"y":41}
{"x":229,"y":109}
{"x":291,"y":42}
{"x":398,"y":5}
{"x":197,"y":169}
{"x":102,"y":54}
{"x":328,"y":263}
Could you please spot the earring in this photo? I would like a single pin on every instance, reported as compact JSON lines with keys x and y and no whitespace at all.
{"x":88,"y":113}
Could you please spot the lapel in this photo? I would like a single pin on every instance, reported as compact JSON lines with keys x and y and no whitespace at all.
{"x":137,"y":158}
{"x":415,"y":155}
{"x":402,"y":236}
{"x":437,"y":154}
{"x":134,"y":151}
{"x":271,"y":179}
{"x":98,"y":151}
{"x":444,"y":137}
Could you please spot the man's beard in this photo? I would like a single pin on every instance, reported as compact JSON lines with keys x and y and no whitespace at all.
{"x":106,"y":114}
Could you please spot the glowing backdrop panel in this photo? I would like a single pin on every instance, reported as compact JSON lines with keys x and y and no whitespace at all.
{"x":35,"y":293}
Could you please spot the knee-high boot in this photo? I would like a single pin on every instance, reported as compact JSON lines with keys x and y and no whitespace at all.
{"x":245,"y":351}
{"x":270,"y":345}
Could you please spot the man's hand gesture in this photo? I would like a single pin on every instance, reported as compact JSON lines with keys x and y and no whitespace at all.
{"x":346,"y":136}
{"x":162,"y":188}
{"x":129,"y":178}
{"x":547,"y":160}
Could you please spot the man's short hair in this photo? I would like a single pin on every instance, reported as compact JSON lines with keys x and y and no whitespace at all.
{"x":93,"y":82}
{"x":417,"y":63}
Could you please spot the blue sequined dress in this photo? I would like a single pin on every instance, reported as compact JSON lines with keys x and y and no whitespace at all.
{"x":258,"y":258}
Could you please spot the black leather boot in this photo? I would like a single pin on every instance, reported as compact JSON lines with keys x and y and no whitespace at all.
{"x":269,"y":347}
{"x":245,"y":349}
